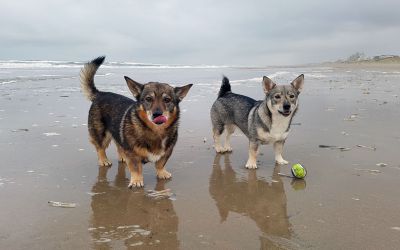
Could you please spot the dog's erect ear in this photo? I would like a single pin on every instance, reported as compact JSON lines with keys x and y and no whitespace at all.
{"x":135,"y":87}
{"x":298,"y":83}
{"x":268,"y":84}
{"x":181,"y":92}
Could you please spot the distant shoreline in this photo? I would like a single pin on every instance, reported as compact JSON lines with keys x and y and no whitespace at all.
{"x":387,"y":63}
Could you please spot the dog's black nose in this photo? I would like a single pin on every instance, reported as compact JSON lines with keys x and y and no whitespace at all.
{"x":157,"y":113}
{"x":286,"y":106}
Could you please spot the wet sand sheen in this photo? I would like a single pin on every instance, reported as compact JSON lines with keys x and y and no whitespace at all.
{"x":219,"y":204}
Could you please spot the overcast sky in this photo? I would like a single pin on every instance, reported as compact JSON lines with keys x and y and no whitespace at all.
{"x":198,"y":32}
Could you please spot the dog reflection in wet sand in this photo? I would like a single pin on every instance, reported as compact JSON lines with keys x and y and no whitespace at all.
{"x":121,"y":217}
{"x":263,"y":202}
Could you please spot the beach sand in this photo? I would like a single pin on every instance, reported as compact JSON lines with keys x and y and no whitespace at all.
{"x":346,"y":201}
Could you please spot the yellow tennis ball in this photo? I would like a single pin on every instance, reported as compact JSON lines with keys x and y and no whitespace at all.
{"x":299,"y":171}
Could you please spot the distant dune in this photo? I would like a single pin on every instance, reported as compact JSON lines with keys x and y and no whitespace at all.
{"x":387,"y":59}
{"x":359,"y":60}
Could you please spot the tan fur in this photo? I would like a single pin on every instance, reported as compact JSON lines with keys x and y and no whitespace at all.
{"x":171,"y":119}
{"x":149,"y":124}
{"x":86,"y":77}
{"x":156,"y":128}
{"x":136,"y":173}
{"x":161,"y":172}
{"x":101,"y":150}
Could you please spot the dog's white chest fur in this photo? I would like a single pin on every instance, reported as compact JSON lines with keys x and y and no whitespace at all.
{"x":278,"y":131}
{"x":151,"y":157}
{"x":154,"y":157}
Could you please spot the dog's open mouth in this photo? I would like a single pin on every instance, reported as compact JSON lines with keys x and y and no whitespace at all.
{"x":160,"y":119}
{"x":285,"y":113}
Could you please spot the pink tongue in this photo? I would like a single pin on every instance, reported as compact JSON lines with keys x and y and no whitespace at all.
{"x":160,"y":119}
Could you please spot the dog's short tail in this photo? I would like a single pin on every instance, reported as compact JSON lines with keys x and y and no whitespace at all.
{"x":225,"y":87}
{"x":87,"y":77}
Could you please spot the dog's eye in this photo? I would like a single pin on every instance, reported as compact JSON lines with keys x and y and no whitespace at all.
{"x":167,"y":99}
{"x":148,"y":99}
{"x":277,"y":97}
{"x":291,"y":96}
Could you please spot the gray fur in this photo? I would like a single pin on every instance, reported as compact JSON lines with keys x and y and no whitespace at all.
{"x":262,"y":121}
{"x":87,"y":77}
{"x":229,"y":109}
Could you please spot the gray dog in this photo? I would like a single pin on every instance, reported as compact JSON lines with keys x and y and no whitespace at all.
{"x":263,"y":122}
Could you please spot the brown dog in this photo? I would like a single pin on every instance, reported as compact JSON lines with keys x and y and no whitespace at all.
{"x":145,"y":130}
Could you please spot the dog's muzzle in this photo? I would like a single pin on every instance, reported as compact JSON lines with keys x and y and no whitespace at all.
{"x":159,"y":118}
{"x":285,"y":113}
{"x":286,"y":110}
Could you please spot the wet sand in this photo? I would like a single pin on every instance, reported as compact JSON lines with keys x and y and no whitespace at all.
{"x":345,"y":202}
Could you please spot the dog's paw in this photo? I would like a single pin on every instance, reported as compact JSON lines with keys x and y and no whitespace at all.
{"x":251,"y":165}
{"x":281,"y":161}
{"x":163,"y":174}
{"x":136,"y":183}
{"x":105,"y":163}
{"x":219,"y":149}
{"x":227,"y":149}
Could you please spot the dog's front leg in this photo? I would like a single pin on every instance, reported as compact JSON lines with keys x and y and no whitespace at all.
{"x":253,"y":150}
{"x":135,"y":167}
{"x":162,"y":173}
{"x":278,"y":148}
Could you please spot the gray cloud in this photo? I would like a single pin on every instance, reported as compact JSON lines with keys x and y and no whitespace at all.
{"x":198,"y":32}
